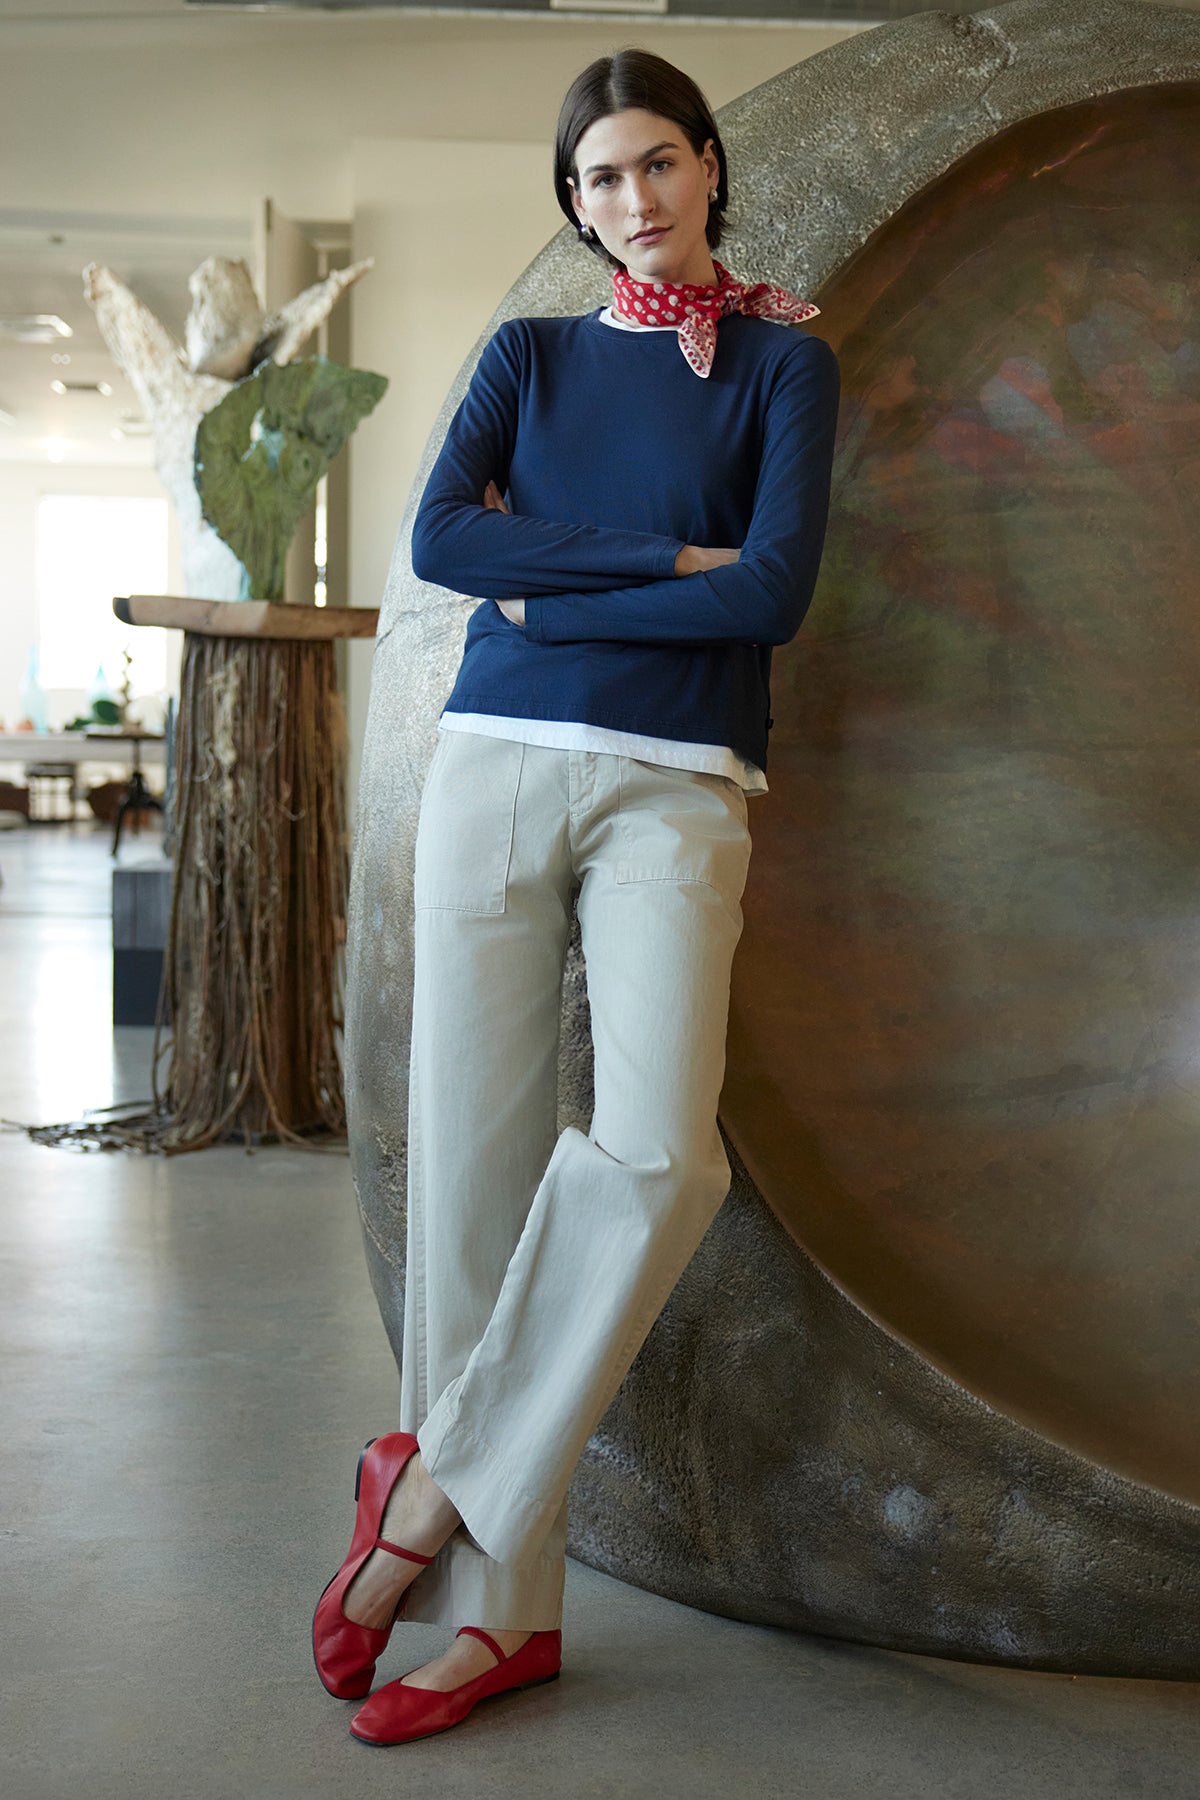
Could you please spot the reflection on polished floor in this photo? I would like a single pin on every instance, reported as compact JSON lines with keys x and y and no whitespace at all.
{"x":192,"y":1360}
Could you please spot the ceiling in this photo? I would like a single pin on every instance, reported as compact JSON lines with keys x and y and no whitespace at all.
{"x":46,"y":14}
{"x":863,"y":12}
{"x":793,"y":9}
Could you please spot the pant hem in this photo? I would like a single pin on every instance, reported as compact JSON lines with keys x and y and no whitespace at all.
{"x":508,"y":1524}
{"x":464,"y":1586}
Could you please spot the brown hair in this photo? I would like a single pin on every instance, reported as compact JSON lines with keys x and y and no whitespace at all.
{"x":628,"y":79}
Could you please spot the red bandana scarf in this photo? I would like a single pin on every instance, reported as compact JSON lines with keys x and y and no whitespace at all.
{"x":697,"y":309}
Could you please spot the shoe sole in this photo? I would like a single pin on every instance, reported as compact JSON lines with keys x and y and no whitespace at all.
{"x":316,"y":1609}
{"x":358,"y":1472}
{"x":501,"y":1694}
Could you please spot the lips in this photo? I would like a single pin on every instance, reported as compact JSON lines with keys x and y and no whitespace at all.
{"x":650,"y":237}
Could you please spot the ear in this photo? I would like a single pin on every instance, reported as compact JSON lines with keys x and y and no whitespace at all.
{"x":712,"y":167}
{"x":577,"y":202}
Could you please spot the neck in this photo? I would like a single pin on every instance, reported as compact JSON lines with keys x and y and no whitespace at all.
{"x":698,"y":271}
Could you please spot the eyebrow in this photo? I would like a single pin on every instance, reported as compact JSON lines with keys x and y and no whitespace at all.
{"x":615,"y":168}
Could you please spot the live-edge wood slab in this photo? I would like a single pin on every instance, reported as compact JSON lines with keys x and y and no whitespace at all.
{"x":247,"y":618}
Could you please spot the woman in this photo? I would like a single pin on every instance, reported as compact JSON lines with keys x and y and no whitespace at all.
{"x":666,"y":463}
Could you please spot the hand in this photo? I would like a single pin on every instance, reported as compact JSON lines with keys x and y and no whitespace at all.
{"x":513,"y":610}
{"x":692,"y":560}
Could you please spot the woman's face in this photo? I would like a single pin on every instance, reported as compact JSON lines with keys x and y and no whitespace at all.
{"x":644,"y":191}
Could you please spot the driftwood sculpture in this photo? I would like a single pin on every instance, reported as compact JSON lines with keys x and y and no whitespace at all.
{"x":252,"y":965}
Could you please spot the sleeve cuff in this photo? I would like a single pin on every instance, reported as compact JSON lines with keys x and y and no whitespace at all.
{"x":533,"y":618}
{"x":670,"y":551}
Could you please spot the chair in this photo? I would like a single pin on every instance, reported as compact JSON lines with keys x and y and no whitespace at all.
{"x":45,"y":781}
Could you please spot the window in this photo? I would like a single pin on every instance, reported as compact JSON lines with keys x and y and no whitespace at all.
{"x":90,"y":547}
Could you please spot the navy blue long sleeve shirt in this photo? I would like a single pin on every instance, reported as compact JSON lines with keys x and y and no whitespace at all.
{"x":612,"y":454}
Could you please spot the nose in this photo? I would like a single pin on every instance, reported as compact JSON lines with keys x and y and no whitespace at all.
{"x":641,"y":197}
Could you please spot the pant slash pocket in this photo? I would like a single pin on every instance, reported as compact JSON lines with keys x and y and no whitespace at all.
{"x":466,"y":823}
{"x":682,"y":825}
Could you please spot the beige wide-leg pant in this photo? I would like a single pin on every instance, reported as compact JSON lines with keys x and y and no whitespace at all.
{"x":537,"y":1261}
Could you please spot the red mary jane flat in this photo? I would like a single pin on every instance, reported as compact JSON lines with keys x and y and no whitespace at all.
{"x":398,"y":1713}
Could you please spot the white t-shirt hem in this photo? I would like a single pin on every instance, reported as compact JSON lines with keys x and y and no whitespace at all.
{"x":569,"y":734}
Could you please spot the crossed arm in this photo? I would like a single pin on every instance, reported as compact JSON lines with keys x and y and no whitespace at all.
{"x":688,"y":560}
{"x":580,"y":582}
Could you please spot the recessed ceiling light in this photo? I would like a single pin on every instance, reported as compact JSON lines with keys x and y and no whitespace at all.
{"x":80,"y":387}
{"x":622,"y":6}
{"x":35,"y":328}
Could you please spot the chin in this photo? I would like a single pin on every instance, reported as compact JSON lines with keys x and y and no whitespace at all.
{"x":664,"y":245}
{"x":667,"y":254}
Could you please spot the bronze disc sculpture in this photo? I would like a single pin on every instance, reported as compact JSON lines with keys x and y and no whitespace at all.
{"x":928,"y":1382}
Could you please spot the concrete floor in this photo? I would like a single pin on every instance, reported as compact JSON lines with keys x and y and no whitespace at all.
{"x":191,"y":1362}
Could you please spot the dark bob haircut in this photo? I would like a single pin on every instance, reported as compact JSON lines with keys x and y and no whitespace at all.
{"x":618,"y":83}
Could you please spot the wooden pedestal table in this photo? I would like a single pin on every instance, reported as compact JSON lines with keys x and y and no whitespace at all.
{"x":253,"y":968}
{"x":137,"y":797}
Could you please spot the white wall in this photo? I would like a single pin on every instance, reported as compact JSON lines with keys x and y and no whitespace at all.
{"x":451,"y":226}
{"x":205,"y":114}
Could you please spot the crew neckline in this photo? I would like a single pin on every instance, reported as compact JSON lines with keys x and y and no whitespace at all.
{"x":597,"y":323}
{"x":610,"y":317}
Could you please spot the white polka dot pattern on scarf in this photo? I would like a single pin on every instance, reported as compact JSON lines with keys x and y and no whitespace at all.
{"x":703,"y":307}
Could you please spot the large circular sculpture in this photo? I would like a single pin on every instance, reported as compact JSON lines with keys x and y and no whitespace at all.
{"x":927,"y":1381}
{"x":966,"y":1031}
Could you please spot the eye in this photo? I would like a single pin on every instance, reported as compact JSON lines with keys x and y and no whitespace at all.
{"x":601,"y":179}
{"x":661,"y":162}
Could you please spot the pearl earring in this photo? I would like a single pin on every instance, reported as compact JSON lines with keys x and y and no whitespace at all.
{"x":712,"y":198}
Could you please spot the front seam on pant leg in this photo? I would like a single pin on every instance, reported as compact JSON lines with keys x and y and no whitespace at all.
{"x":414,"y":1371}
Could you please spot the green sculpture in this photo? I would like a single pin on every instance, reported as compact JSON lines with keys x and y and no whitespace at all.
{"x":261,"y":451}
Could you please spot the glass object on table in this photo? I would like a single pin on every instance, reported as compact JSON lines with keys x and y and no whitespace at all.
{"x":33,"y":696}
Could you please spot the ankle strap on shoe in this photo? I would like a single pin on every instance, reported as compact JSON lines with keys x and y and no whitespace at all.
{"x":479,"y":1632}
{"x":382,"y":1544}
